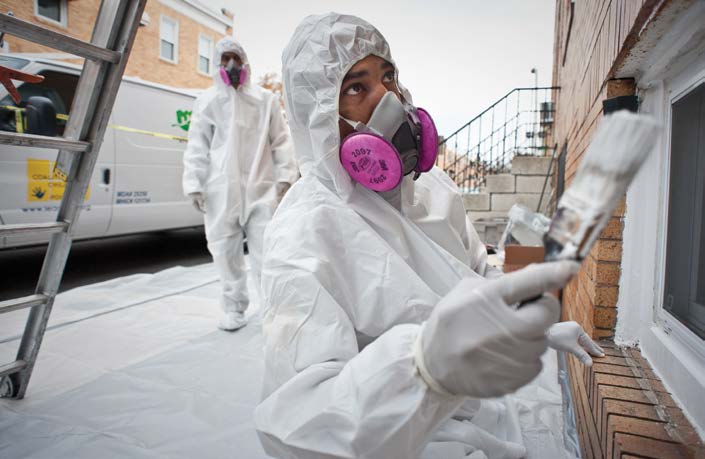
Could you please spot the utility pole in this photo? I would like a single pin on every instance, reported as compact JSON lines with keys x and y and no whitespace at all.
{"x":535,"y":124}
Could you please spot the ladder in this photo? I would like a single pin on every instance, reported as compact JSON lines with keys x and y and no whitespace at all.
{"x":105,"y":58}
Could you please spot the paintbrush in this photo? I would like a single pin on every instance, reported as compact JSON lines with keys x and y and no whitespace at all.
{"x":620,"y":146}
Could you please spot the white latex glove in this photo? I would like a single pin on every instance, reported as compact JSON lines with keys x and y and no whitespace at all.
{"x":198,"y":201}
{"x":478,"y":440}
{"x":282,"y":188}
{"x":570,"y":337}
{"x":474,"y":344}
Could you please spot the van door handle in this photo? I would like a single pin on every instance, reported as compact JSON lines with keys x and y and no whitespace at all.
{"x":106,"y":176}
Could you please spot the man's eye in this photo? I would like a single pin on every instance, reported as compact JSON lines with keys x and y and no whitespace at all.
{"x":389,"y":77}
{"x":354,"y":89}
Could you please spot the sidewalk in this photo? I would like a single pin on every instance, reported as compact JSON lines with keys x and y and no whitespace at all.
{"x":135,"y":367}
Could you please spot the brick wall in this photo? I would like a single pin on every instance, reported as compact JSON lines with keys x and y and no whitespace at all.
{"x":623,"y":410}
{"x":144,"y":60}
{"x":586,"y":48}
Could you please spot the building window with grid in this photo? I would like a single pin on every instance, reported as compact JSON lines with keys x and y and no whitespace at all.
{"x":205,"y":54}
{"x":52,"y":10}
{"x":169,"y":39}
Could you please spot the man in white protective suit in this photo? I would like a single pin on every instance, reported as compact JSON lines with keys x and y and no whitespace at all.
{"x":386,"y":331}
{"x":237,"y":164}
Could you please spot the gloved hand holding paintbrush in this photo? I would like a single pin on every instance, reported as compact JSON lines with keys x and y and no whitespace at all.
{"x":474,"y":343}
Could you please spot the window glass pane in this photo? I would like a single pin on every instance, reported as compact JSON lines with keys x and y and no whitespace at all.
{"x":167,"y":50}
{"x":700,"y":258}
{"x":203,"y":64}
{"x":49,"y":9}
{"x":684,"y":295}
{"x":168,"y":30}
{"x":204,"y":47}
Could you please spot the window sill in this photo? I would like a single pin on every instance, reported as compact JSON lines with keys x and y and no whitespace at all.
{"x":168,"y":61}
{"x":681,"y":371}
{"x":51,"y":22}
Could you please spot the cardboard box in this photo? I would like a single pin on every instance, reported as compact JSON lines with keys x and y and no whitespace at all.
{"x":518,"y":256}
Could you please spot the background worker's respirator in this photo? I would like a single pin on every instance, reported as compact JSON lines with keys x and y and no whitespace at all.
{"x":396,"y":141}
{"x":232,"y":74}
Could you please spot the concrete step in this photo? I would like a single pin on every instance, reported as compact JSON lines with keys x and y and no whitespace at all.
{"x":504,"y":202}
{"x":476,"y":201}
{"x":485,"y":215}
{"x":532,"y":183}
{"x":530,"y":165}
{"x":490,"y":230}
{"x":500,"y":183}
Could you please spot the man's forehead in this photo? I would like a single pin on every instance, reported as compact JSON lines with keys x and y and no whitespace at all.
{"x":371,"y":61}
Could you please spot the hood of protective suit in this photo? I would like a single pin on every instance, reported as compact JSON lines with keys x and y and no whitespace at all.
{"x":229,"y":45}
{"x":320,"y":53}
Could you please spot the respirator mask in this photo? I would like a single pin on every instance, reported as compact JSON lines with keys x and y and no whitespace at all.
{"x":397,"y":140}
{"x":232,"y":74}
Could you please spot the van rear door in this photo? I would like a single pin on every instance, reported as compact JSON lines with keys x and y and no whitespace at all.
{"x":29,"y":193}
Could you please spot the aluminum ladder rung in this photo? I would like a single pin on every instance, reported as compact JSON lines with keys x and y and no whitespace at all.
{"x":40,"y":35}
{"x":41,"y":141}
{"x":14,"y":367}
{"x":23,"y":303}
{"x":33,"y":228}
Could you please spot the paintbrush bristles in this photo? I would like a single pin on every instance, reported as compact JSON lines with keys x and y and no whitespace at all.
{"x":622,"y":141}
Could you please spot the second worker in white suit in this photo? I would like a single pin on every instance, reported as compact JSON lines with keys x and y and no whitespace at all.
{"x":237,"y":164}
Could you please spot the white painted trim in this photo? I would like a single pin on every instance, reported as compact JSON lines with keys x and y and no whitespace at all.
{"x":166,"y":18}
{"x":675,"y":352}
{"x":199,"y":13}
{"x":677,"y":88}
{"x":209,"y":56}
{"x":64,"y":14}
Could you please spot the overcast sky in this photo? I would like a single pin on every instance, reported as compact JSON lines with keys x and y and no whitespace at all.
{"x":456,"y":57}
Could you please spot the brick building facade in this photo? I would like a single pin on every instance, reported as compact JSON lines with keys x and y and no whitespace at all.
{"x":653,"y":49}
{"x":190,"y":28}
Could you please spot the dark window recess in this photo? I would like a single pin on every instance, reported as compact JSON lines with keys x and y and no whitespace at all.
{"x":684,"y":295}
{"x":57,"y":87}
{"x":560,"y":172}
{"x":50,"y":9}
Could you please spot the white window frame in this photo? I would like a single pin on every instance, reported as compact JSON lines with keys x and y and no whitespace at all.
{"x":677,"y":88}
{"x":675,"y":352}
{"x":175,"y":22}
{"x":210,"y":55}
{"x":64,"y":13}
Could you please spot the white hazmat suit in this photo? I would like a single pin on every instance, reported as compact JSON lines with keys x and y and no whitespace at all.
{"x":239,"y":152}
{"x":349,"y":281}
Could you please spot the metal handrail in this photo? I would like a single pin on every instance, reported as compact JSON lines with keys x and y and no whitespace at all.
{"x":481,"y":147}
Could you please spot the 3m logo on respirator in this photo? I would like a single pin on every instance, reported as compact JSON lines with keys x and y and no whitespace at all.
{"x":183,"y":119}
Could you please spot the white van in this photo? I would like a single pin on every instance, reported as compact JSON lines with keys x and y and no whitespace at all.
{"x":136,"y":185}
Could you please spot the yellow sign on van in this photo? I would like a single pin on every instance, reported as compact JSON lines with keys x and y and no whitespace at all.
{"x":43,"y":184}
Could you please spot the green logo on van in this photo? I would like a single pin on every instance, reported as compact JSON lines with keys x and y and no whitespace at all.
{"x":183,"y":119}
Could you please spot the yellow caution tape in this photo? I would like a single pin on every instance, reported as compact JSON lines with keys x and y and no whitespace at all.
{"x":19,"y":122}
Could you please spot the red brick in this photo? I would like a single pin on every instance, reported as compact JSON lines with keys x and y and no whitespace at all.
{"x":621,"y":424}
{"x":613,"y":230}
{"x":607,"y":273}
{"x":606,"y":296}
{"x":648,"y":448}
{"x":621,"y":207}
{"x":604,"y":317}
{"x":606,"y":250}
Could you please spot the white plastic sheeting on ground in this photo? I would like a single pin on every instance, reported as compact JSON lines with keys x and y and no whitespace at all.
{"x":135,"y":367}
